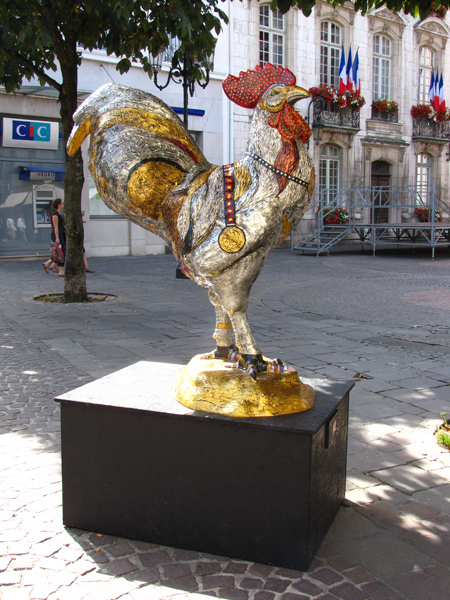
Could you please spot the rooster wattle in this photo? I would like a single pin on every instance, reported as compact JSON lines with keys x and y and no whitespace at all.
{"x":220,"y":222}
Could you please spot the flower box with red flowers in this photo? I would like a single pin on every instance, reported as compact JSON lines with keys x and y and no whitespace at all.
{"x":426,"y":111}
{"x":335,"y":216}
{"x":384,"y":105}
{"x":332,"y":97}
{"x":424,"y":215}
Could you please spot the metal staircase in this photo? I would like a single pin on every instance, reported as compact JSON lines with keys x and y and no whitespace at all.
{"x":323,"y":239}
{"x":378,"y":215}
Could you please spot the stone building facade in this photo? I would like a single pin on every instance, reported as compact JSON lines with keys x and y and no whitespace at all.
{"x":397,"y":54}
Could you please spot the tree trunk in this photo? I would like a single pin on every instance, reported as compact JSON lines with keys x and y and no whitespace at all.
{"x":75,"y":276}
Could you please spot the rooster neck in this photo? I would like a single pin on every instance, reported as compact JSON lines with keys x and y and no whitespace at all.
{"x":264,"y":140}
{"x":267,"y":143}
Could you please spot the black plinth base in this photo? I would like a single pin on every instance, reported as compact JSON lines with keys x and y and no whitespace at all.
{"x":137,"y":464}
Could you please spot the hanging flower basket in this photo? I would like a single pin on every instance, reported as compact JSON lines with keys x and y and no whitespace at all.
{"x":333,"y":98}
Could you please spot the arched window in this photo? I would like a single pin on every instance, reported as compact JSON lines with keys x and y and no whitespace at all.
{"x":330,"y":53}
{"x":426,"y":60}
{"x":423,"y":175}
{"x":329,"y":173}
{"x":381,"y":67}
{"x":271,"y":36}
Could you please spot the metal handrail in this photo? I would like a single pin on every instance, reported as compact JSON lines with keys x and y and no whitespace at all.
{"x":362,"y":205}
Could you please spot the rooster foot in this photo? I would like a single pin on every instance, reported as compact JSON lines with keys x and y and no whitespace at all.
{"x":257,"y":363}
{"x":251,"y":363}
{"x":220,"y":352}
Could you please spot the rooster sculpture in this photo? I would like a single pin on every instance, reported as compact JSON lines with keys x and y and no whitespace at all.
{"x":219,"y":221}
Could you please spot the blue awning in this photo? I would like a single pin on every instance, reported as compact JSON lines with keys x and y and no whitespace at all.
{"x":194,"y":112}
{"x":41,"y":172}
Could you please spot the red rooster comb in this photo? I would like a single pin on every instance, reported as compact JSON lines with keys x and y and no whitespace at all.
{"x":248,"y":89}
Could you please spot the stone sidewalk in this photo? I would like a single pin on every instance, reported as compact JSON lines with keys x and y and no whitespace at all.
{"x":382,"y":322}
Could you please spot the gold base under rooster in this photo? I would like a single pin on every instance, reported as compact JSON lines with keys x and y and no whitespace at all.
{"x":208,"y":385}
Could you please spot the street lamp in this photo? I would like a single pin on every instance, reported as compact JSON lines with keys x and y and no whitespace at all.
{"x":181,"y":75}
{"x":318,"y":104}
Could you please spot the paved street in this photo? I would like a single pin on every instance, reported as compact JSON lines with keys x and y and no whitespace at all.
{"x":381,"y":321}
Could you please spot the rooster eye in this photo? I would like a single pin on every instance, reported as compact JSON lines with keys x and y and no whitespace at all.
{"x":274,"y":92}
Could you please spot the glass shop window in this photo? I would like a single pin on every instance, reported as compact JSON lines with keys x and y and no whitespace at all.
{"x":330,"y":53}
{"x":25,"y":202}
{"x":381,"y":76}
{"x":97,"y":208}
{"x":426,"y":64}
{"x":271,"y":36}
{"x":329,"y":173}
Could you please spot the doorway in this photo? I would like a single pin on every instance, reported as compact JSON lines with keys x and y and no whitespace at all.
{"x":380,"y":181}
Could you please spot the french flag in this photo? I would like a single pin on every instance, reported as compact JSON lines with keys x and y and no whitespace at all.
{"x":437,"y":101}
{"x":441,"y":93}
{"x":355,"y":75}
{"x":342,"y":74}
{"x":431,"y":90}
{"x":349,"y":71}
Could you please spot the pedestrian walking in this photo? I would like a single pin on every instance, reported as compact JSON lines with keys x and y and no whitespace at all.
{"x":58,"y":235}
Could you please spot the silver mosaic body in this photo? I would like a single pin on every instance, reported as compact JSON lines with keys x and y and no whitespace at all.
{"x":122,"y":142}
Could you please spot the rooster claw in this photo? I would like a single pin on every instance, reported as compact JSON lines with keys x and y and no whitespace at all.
{"x":260,"y":364}
{"x":252,"y":364}
{"x":219,"y":352}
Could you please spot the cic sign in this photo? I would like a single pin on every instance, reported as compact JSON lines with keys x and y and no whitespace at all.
{"x":22,"y":133}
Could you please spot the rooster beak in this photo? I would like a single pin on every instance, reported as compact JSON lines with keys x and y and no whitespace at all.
{"x":295,"y":93}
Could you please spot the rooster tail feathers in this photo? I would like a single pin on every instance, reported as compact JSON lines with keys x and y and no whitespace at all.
{"x":140,"y":152}
{"x":83,"y":115}
{"x":118,"y":105}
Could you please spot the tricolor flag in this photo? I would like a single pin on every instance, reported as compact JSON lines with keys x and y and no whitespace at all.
{"x":355,"y":75}
{"x":437,"y":101}
{"x":349,"y":71}
{"x":431,"y":90}
{"x":441,"y":93}
{"x":342,"y":74}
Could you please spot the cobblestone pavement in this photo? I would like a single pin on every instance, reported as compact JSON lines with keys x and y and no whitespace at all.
{"x":382,"y":322}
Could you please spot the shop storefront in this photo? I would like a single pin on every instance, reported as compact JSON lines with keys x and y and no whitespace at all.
{"x":31,"y":175}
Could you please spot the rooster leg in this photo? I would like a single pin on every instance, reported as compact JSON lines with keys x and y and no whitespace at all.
{"x":233,"y":290}
{"x":223,"y":333}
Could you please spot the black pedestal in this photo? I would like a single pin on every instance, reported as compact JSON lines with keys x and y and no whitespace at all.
{"x":137,"y":464}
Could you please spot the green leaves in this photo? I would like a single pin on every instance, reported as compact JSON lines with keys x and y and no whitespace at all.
{"x":411,"y":7}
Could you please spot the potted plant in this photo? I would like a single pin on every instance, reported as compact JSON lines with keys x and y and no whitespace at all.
{"x":424,"y":215}
{"x":442,"y":433}
{"x":382,"y":108}
{"x":335,"y":216}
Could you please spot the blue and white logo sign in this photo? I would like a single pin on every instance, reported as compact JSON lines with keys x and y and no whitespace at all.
{"x":22,"y":133}
{"x":30,"y":130}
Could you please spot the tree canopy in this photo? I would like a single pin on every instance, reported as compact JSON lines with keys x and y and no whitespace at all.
{"x":44,"y":39}
{"x":410,"y":7}
{"x":40,"y":35}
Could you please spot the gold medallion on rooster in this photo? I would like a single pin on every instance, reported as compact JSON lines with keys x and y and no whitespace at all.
{"x":232,"y":239}
{"x":148,"y":168}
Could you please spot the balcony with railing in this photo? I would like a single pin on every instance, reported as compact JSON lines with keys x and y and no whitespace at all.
{"x":335,"y":116}
{"x":424,"y":128}
{"x":389,"y":117}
